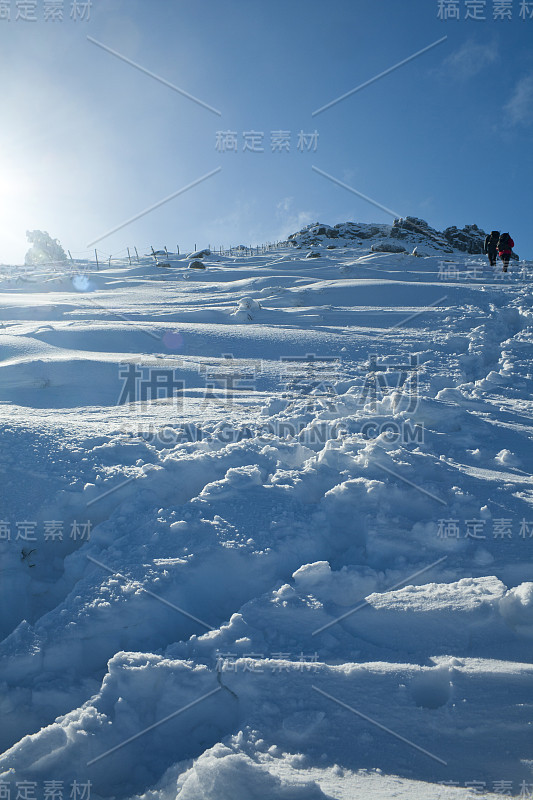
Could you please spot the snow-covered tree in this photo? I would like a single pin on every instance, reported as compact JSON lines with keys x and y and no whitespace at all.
{"x":44,"y":248}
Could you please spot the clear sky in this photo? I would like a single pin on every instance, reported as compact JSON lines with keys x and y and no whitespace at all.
{"x":88,"y":141}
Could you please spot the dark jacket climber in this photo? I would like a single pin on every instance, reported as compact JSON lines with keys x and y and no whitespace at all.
{"x":491,"y":246}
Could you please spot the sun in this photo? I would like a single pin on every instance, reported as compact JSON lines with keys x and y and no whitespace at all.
{"x":18,"y":202}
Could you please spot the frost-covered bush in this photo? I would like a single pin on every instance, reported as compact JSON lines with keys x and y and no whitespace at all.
{"x":44,"y":248}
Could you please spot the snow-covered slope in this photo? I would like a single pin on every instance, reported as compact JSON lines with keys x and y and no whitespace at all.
{"x":266,"y":528}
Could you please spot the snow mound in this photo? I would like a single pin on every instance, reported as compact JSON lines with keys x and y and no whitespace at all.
{"x":220,"y":774}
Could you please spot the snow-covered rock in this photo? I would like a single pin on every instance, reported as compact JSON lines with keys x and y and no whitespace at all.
{"x":412,"y":231}
{"x":387,"y":246}
{"x":199,"y":254}
{"x":469,"y":239}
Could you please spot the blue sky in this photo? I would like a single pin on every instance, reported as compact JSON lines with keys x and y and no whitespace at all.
{"x":87,"y":141}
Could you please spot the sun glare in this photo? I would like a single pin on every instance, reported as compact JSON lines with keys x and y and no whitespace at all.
{"x":17,"y":208}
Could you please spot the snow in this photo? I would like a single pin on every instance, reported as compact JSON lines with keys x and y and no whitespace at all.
{"x":303,"y":571}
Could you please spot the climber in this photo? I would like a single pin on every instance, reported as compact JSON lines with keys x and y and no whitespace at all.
{"x":505,"y":249}
{"x":491,"y":246}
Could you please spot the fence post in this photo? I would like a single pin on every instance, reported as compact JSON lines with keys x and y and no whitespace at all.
{"x":129,"y":257}
{"x":137,"y":254}
{"x":96,"y":256}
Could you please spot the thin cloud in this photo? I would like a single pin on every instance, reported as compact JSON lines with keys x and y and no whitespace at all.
{"x":520,"y":107}
{"x":285,"y":205}
{"x":291,"y":219}
{"x":469,"y":60}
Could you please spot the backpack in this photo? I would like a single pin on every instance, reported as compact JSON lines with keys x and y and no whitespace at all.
{"x":503,"y":242}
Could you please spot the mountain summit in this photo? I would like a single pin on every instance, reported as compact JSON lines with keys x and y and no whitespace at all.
{"x":402,"y":236}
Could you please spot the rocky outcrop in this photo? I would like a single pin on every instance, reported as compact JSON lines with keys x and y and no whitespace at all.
{"x":409,"y":233}
{"x":416,"y":229}
{"x":354,"y":230}
{"x":313,"y":234}
{"x":469,"y":239}
{"x":346,"y":233}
